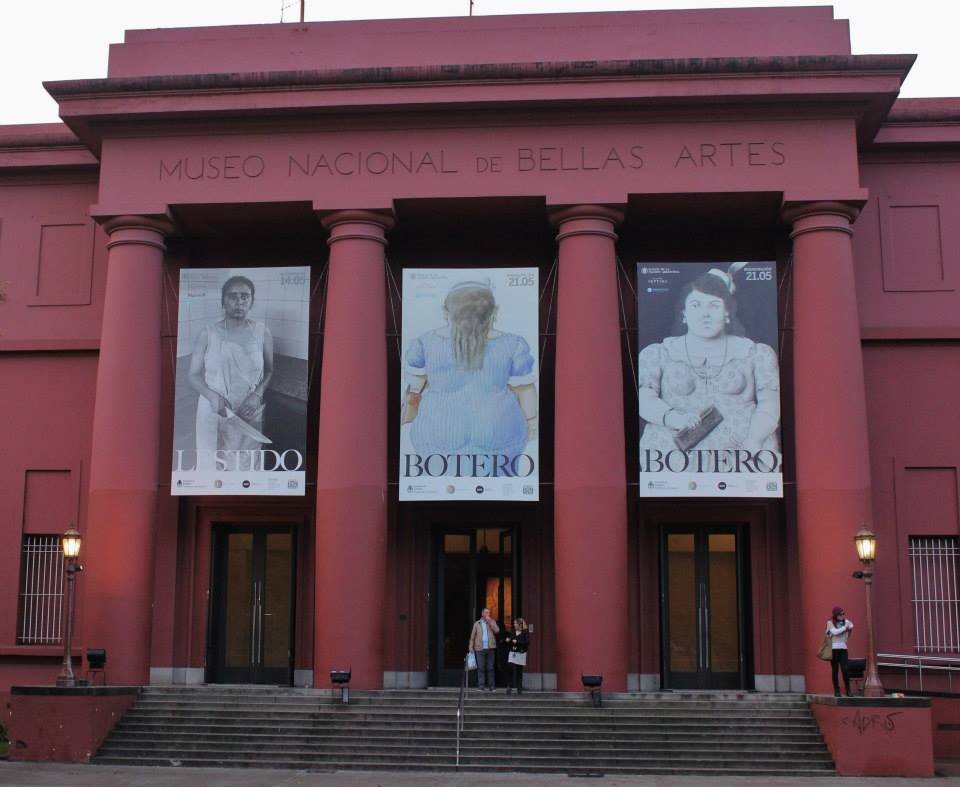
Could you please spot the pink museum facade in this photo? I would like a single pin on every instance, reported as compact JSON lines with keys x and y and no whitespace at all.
{"x":581,"y":145}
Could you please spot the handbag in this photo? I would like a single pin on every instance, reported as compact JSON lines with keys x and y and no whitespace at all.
{"x":518,"y":658}
{"x":471,"y":661}
{"x":709,"y":420}
{"x":411,"y":404}
{"x":826,"y":649}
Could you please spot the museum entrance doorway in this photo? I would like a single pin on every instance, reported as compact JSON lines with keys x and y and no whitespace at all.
{"x":473,"y":568}
{"x":704,"y":591}
{"x":252,"y":604}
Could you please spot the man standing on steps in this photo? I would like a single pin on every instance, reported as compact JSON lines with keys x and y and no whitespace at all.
{"x":483,"y":642}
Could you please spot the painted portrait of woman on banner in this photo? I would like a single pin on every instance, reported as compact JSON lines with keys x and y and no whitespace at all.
{"x":469,"y":418}
{"x":241,"y":381}
{"x":709,"y":385}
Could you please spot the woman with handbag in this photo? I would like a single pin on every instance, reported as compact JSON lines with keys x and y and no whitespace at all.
{"x":838,"y":630}
{"x":708,"y":386}
{"x":519,"y":642}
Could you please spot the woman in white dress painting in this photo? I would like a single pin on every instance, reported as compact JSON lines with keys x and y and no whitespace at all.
{"x":230,"y":368}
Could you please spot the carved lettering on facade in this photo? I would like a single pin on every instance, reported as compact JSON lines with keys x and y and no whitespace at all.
{"x":229,"y":167}
{"x":732,"y":154}
{"x":622,"y":158}
{"x":375,"y":162}
{"x":574,"y":159}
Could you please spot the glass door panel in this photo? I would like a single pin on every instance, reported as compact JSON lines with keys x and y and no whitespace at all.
{"x":239,"y":599}
{"x":723,"y":634}
{"x":682,"y":605}
{"x":277,"y":584}
{"x":456,"y":602}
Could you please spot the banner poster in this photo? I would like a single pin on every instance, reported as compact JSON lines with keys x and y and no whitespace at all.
{"x":469,"y":390}
{"x":240,"y":415}
{"x":708,"y":380}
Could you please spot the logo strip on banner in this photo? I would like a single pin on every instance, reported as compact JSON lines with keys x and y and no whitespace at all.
{"x":708,"y":380}
{"x":469,"y":393}
{"x":240,"y":416}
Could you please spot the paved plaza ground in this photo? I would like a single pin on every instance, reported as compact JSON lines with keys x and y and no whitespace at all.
{"x":16,"y":774}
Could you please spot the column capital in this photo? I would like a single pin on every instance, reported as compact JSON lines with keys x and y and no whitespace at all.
{"x":823,"y":216}
{"x":133,"y":229}
{"x":370,"y":225}
{"x":586,"y":220}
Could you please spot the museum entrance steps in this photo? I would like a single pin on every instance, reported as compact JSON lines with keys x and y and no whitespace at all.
{"x":536,"y":732}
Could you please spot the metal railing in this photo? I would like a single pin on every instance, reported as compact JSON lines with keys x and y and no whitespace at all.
{"x":919,"y":663}
{"x":461,"y":707}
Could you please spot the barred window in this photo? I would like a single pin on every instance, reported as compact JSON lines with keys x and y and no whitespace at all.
{"x":41,"y":591}
{"x":936,"y":601}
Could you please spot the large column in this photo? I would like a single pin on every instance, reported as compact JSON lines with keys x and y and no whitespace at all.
{"x":832,"y":452}
{"x":590,"y":505}
{"x":351,"y":538}
{"x":118,"y":549}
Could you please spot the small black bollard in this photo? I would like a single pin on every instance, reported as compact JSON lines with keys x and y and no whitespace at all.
{"x":341,"y":678}
{"x":593,"y":683}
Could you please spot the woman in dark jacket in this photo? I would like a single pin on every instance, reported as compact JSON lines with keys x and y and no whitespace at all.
{"x":518,"y":641}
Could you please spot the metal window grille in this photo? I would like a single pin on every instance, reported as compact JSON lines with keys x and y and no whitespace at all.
{"x":41,"y":591}
{"x":936,"y":600}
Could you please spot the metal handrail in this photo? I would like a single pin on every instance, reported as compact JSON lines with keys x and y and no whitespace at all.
{"x":920,"y":662}
{"x":461,"y":707}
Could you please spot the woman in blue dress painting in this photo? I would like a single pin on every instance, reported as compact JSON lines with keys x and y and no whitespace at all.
{"x":471,"y":388}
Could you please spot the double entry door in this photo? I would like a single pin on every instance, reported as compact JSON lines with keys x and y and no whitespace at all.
{"x":473,"y":568}
{"x":252,"y":609}
{"x":704,"y":592}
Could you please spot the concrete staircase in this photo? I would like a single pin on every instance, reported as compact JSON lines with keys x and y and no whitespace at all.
{"x":536,"y":732}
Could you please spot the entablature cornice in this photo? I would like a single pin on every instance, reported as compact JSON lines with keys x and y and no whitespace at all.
{"x":920,"y":123}
{"x":867,"y":83}
{"x":42,"y":146}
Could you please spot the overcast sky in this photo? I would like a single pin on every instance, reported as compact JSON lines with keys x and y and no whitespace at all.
{"x":68,"y":39}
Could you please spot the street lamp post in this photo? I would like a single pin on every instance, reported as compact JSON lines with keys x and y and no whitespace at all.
{"x":71,"y":551}
{"x":866,"y":543}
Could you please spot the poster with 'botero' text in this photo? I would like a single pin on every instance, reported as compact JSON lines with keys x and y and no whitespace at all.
{"x":240,"y":417}
{"x":709,"y":380}
{"x":469,"y":393}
